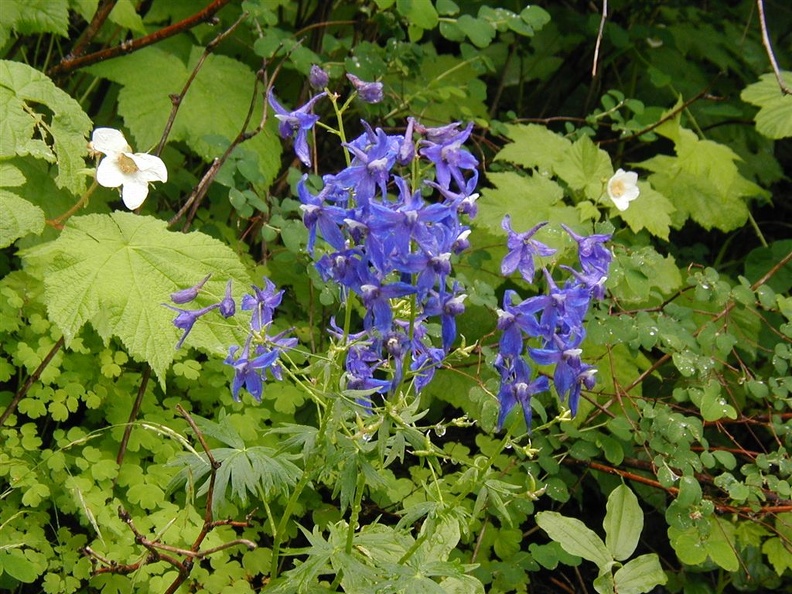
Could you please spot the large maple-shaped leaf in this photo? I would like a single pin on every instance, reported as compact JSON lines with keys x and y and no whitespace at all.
{"x":116,"y":271}
{"x":585,"y":167}
{"x":652,"y":211}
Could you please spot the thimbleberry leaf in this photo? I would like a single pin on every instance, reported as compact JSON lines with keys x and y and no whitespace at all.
{"x":115,"y":271}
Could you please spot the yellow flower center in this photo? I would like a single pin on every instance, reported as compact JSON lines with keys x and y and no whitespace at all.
{"x":617,"y":188}
{"x":126,"y":164}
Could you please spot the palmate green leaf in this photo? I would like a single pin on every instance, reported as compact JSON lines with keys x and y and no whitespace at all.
{"x":216,"y":103}
{"x":24,"y":124}
{"x":702,"y":181}
{"x":623,"y":522}
{"x":529,"y":199}
{"x":575,"y":537}
{"x":533,"y":146}
{"x":774,"y":119}
{"x":115,"y":271}
{"x":18,"y":217}
{"x":585,"y":167}
{"x":651,"y":211}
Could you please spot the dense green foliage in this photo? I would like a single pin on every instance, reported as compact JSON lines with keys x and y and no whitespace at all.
{"x":127,"y":466}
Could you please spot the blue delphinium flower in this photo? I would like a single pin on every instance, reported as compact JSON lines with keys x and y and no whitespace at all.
{"x":186,"y":318}
{"x":296,"y":124}
{"x":262,"y":303}
{"x":227,"y":306}
{"x":550,"y":324}
{"x":186,"y":295}
{"x":449,"y":157}
{"x":522,"y":250}
{"x":370,"y":92}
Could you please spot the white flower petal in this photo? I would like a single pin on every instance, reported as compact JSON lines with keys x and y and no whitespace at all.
{"x":109,"y":141}
{"x":623,"y":188}
{"x":134,"y":193}
{"x":151,"y":168}
{"x":108,"y":174}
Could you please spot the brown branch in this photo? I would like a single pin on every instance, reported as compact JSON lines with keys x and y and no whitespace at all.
{"x":769,"y":49}
{"x":30,"y":381}
{"x":133,"y":415}
{"x":69,"y":64}
{"x":177,"y":99}
{"x":638,"y":478}
{"x":100,"y":16}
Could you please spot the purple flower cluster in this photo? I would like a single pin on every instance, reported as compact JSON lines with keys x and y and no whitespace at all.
{"x":548,"y":328}
{"x":388,"y":237}
{"x":261,"y":352}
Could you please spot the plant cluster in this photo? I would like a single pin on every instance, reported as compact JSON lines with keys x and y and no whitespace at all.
{"x":522,"y":272}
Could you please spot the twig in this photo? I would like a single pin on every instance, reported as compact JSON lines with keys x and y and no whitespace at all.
{"x":133,"y":414}
{"x":69,"y":64}
{"x":177,"y":99}
{"x":599,"y":38}
{"x":30,"y":381}
{"x":179,"y":558}
{"x":769,"y":49}
{"x":100,"y":16}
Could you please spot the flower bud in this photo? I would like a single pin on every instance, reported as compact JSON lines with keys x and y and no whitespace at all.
{"x":317,"y":77}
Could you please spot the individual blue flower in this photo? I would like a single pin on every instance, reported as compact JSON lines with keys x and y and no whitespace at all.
{"x":227,"y":306}
{"x":262,"y":302}
{"x":296,"y":124}
{"x":376,"y":298}
{"x":516,"y":320}
{"x":249,"y":372}
{"x":370,"y":169}
{"x":450,"y":159}
{"x":370,"y":92}
{"x":186,"y":318}
{"x":517,"y":387}
{"x":591,"y":250}
{"x":522,"y":250}
{"x":317,"y":214}
{"x":186,"y":295}
{"x":447,"y":305}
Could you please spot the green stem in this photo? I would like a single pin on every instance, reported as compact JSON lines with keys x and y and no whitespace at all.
{"x":355,"y":513}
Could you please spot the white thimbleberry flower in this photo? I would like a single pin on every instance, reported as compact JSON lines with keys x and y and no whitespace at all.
{"x":122,"y":167}
{"x":623,"y":188}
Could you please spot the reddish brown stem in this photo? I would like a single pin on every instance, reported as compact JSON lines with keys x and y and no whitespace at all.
{"x":30,"y":381}
{"x":69,"y":64}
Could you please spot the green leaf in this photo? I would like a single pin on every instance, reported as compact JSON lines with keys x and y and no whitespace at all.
{"x":640,"y":575}
{"x":115,"y":271}
{"x":623,"y":522}
{"x":575,"y":537}
{"x":146,"y":107}
{"x":533,"y":146}
{"x":480,"y":32}
{"x":779,"y":554}
{"x":585,"y":167}
{"x":774,"y":119}
{"x":23,"y":123}
{"x":420,"y":13}
{"x":18,"y":217}
{"x":19,"y":567}
{"x":702,"y":181}
{"x":529,"y":199}
{"x":29,"y":17}
{"x":650,"y":211}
